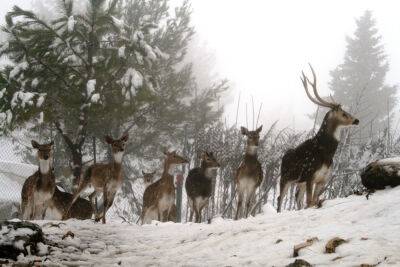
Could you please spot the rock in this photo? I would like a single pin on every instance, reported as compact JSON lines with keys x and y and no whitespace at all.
{"x":333,"y":244}
{"x":21,"y":237}
{"x":379,"y":174}
{"x":299,"y":263}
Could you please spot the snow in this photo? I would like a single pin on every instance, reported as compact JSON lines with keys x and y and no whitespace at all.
{"x":41,"y":117}
{"x":121,"y":52}
{"x":40,"y":100}
{"x":133,"y":80}
{"x":388,"y":161}
{"x":17,"y":69}
{"x":95,"y":98}
{"x":35,"y":82}
{"x":372,"y":228}
{"x":22,"y":98}
{"x":71,"y":23}
{"x":2,"y":92}
{"x":90,"y":86}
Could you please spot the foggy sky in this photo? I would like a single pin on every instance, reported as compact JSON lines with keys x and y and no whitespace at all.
{"x":262,"y":46}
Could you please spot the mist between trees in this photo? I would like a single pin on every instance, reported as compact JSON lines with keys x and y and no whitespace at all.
{"x":134,"y":66}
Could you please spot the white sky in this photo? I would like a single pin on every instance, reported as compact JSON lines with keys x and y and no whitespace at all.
{"x":261,"y":47}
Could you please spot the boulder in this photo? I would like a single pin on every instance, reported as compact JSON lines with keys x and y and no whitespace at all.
{"x":21,"y":237}
{"x":379,"y":174}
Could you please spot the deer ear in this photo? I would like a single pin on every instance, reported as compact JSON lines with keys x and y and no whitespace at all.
{"x":35,"y":144}
{"x":109,"y":140}
{"x":51,"y":143}
{"x":143,"y":172}
{"x":165,"y":151}
{"x":125,"y":137}
{"x":244,"y":130}
{"x":259,"y":129}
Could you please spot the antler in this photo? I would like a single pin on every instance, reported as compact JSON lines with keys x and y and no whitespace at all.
{"x":319,"y":100}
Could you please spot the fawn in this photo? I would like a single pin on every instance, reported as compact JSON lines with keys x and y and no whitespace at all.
{"x":104,"y":177}
{"x":148,"y":178}
{"x":39,"y":188}
{"x":82,"y":208}
{"x":199,"y":185}
{"x":159,"y":197}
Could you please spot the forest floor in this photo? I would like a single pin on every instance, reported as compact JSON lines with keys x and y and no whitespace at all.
{"x":371,"y":229}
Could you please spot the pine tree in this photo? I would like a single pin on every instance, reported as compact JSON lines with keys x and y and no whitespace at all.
{"x":76,"y":73}
{"x":359,"y":82}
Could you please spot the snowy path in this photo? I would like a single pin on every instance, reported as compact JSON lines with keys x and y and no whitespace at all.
{"x":372,"y":228}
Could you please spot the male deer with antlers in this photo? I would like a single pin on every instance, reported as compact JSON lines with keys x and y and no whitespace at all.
{"x":249,"y":174}
{"x":159,"y":197}
{"x":104,"y":177}
{"x":199,"y":185}
{"x":38,"y":189}
{"x":309,"y":164}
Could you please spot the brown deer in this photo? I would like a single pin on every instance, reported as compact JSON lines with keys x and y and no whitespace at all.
{"x":82,"y":209}
{"x":309,"y":164}
{"x":38,"y":189}
{"x":148,"y":178}
{"x":199,"y":185}
{"x":104,"y":177}
{"x":249,"y":175}
{"x":159,"y":197}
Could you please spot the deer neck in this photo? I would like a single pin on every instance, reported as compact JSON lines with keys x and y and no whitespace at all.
{"x":116,"y":163}
{"x":168,"y":169}
{"x":209,"y":172}
{"x":251,"y":150}
{"x":45,"y":166}
{"x":329,"y":129}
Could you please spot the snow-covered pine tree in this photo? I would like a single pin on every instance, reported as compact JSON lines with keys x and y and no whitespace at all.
{"x":359,"y":82}
{"x":76,"y":73}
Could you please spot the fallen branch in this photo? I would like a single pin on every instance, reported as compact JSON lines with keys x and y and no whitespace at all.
{"x":308,"y":243}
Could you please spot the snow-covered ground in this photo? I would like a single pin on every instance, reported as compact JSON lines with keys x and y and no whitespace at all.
{"x":372,"y":228}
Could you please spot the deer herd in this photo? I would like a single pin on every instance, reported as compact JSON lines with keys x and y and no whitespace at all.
{"x":307,"y":166}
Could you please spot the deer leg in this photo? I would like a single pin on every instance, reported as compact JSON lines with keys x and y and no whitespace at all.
{"x":309,"y":191}
{"x":283,"y":190}
{"x":82,"y":186}
{"x":105,"y":203}
{"x":301,"y":188}
{"x":239,"y":205}
{"x":250,"y":196}
{"x":93,"y":201}
{"x":191,"y":209}
{"x":317,"y":191}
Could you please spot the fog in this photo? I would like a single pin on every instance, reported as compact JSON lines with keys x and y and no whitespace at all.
{"x":262,"y":46}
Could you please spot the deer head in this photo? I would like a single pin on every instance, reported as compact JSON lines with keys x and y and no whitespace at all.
{"x":208,"y":160}
{"x":209,"y":164}
{"x":253,"y":138}
{"x":148,"y":177}
{"x":173,"y":158}
{"x":117,"y":146}
{"x":45,"y":155}
{"x":336,"y":115}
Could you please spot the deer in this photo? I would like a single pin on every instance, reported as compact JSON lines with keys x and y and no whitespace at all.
{"x":309,"y":164}
{"x":159,"y":197}
{"x":105,"y":178}
{"x":82,"y":209}
{"x":39,"y":188}
{"x":148,"y":178}
{"x":199,"y":185}
{"x":249,"y":175}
